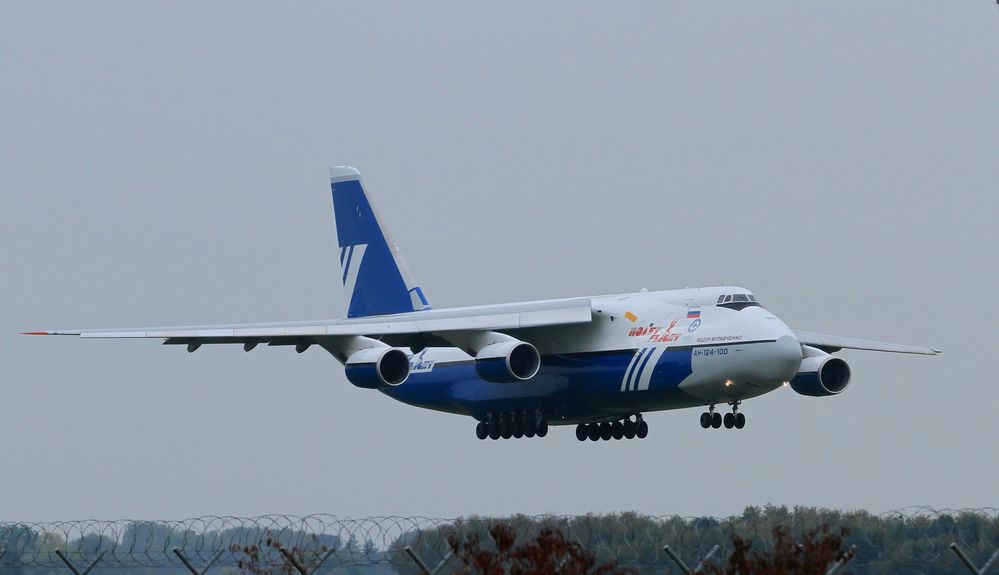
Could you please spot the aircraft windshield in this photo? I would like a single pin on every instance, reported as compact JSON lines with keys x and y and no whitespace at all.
{"x":738,"y":301}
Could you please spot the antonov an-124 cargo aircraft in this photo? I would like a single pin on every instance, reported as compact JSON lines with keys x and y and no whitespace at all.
{"x":597,"y":363}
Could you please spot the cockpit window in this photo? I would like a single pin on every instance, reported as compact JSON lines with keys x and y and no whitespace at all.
{"x":738,"y":301}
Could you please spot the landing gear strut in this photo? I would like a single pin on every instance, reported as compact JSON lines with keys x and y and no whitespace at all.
{"x":711,"y":418}
{"x":607,"y":430}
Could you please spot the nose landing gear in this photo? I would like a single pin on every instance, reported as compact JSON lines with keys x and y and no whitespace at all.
{"x":713,"y":419}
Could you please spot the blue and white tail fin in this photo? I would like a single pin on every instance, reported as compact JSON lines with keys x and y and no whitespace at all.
{"x":375,"y":278}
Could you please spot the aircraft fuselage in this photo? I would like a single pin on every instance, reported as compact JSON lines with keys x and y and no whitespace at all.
{"x":645,"y":351}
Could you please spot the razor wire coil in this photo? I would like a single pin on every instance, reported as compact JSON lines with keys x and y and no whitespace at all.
{"x":630,"y":539}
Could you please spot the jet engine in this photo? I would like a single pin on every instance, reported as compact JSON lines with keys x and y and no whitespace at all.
{"x":821,"y":374}
{"x":377,"y":367}
{"x":507,"y":361}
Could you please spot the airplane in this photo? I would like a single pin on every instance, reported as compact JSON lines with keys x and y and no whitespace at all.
{"x":598,"y":362}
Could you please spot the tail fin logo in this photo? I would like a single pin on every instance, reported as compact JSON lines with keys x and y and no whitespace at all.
{"x":350,"y":262}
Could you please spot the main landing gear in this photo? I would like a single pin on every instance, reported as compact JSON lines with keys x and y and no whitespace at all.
{"x":512,"y":424}
{"x":626,"y":429}
{"x":712,"y":418}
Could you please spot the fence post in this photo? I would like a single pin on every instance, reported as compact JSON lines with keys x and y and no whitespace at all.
{"x":416,"y":559}
{"x":190,"y":567}
{"x":706,"y":558}
{"x":683,"y":566}
{"x":302,"y":569}
{"x":964,"y":558}
{"x":836,"y":566}
{"x":73,"y":567}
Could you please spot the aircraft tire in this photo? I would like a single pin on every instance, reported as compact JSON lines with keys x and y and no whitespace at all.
{"x":643,"y":430}
{"x":480,"y":430}
{"x":593,"y":431}
{"x":505,"y":424}
{"x":493,"y":432}
{"x":716,"y":420}
{"x":705,"y":420}
{"x":530,"y":427}
{"x":581,"y":432}
{"x":740,"y":420}
{"x":729,"y":420}
{"x":629,"y":429}
{"x":617,"y":430}
{"x":605,"y":431}
{"x":542,"y":428}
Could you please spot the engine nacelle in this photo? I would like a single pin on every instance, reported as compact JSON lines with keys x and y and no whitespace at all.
{"x":377,"y":367}
{"x":507,"y":362}
{"x":821,"y":375}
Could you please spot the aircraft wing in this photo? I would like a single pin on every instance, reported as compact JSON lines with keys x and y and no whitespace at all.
{"x":832,"y":343}
{"x":477,"y":318}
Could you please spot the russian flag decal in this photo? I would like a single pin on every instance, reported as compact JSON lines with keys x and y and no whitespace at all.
{"x":693,"y":313}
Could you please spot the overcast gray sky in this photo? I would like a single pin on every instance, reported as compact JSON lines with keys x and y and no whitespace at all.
{"x":167,"y":164}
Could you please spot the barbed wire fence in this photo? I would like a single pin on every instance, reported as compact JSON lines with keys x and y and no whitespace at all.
{"x":910,"y":536}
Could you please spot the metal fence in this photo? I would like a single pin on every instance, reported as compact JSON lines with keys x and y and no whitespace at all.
{"x":915,"y":535}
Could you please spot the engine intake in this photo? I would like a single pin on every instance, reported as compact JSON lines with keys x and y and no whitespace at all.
{"x":821,"y":376}
{"x":378,"y":367}
{"x":508,"y":362}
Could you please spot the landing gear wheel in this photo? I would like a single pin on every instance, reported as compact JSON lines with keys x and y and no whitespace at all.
{"x":505,"y":425}
{"x":716,"y":420}
{"x":705,"y":420}
{"x":643,"y":430}
{"x":542,"y":428}
{"x":593,"y":431}
{"x":581,"y":432}
{"x":530,"y":428}
{"x":480,"y":430}
{"x":729,"y":420}
{"x":617,"y":430}
{"x":630,"y":429}
{"x":519,"y":425}
{"x":605,"y":431}
{"x":740,"y":421}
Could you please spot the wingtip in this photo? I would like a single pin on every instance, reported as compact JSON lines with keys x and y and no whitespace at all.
{"x":36,"y":333}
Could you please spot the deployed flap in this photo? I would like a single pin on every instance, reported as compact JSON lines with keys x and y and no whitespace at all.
{"x":831,"y":343}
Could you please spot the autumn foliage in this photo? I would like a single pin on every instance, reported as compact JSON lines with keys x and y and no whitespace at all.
{"x":549,"y":553}
{"x":815,"y":555}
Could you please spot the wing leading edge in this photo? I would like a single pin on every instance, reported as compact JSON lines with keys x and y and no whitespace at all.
{"x":833,"y":343}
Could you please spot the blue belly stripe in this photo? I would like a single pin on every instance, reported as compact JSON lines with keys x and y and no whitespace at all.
{"x":634,"y":365}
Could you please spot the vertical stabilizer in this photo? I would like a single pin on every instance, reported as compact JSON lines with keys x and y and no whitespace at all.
{"x":375,"y":278}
